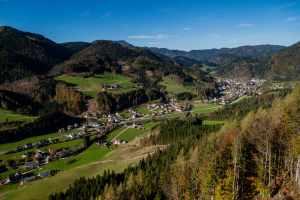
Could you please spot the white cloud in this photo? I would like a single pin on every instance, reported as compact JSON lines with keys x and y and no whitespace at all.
{"x":286,"y":6}
{"x":107,"y":14}
{"x":185,"y":29}
{"x":87,"y":13}
{"x":245,"y":25}
{"x":157,"y":37}
{"x":233,"y":41}
{"x":214,"y":35}
{"x":292,"y":18}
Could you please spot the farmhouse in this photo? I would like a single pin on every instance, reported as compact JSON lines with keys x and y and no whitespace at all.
{"x":19,"y":148}
{"x":117,"y":141}
{"x":94,"y":124}
{"x":13,"y":177}
{"x":73,"y":135}
{"x":38,"y":155}
{"x":70,"y":127}
{"x":178,"y":108}
{"x":28,"y":145}
{"x":52,"y":150}
{"x":61,"y":130}
{"x":44,"y":173}
{"x":29,"y":178}
{"x":32,"y":164}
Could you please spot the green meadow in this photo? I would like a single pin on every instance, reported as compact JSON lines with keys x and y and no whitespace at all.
{"x":12,"y":116}
{"x":172,"y":86}
{"x":91,"y":86}
{"x":131,"y":133}
{"x":43,"y":188}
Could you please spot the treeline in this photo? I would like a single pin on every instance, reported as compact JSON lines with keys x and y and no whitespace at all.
{"x":45,"y":124}
{"x":107,"y":102}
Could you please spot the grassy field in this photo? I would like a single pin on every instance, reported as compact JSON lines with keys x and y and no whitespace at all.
{"x":143,"y":110}
{"x":198,"y":106}
{"x":207,"y":122}
{"x":9,"y":146}
{"x":172,"y":86}
{"x":288,"y":83}
{"x":90,"y":86}
{"x":206,"y":68}
{"x":17,"y":154}
{"x":64,"y":144}
{"x":150,"y":125}
{"x":92,"y":154}
{"x":11,"y":116}
{"x":42,"y":189}
{"x":113,"y":134}
{"x":131,"y":133}
{"x":204,"y":111}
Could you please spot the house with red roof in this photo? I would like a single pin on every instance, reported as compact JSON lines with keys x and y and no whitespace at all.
{"x":117,"y":141}
{"x":52,"y":150}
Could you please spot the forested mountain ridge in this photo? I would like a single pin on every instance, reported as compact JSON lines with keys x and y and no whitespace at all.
{"x":75,"y":47}
{"x":281,"y":65}
{"x":25,"y":54}
{"x":256,"y":157}
{"x":218,"y":56}
{"x":193,"y":54}
{"x":141,"y":64}
{"x":249,"y":51}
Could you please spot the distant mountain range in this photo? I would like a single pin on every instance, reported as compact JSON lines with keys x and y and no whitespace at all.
{"x":282,"y":65}
{"x":219,"y":56}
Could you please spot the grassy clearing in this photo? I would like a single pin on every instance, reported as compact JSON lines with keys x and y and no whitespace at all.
{"x":172,"y":86}
{"x":150,"y":125}
{"x":198,"y":106}
{"x":13,"y":145}
{"x":204,"y":111}
{"x":131,"y":133}
{"x":207,"y":122}
{"x":207,"y":68}
{"x":90,"y":86}
{"x":5,"y":188}
{"x":288,"y":83}
{"x":11,"y":116}
{"x":113,"y":134}
{"x":144,"y":110}
{"x":64,"y":144}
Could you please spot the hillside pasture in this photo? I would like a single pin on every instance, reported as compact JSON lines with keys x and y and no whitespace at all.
{"x":12,"y":116}
{"x":131,"y":133}
{"x":91,"y":86}
{"x":172,"y":86}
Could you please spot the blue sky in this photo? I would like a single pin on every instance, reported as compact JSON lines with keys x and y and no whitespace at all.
{"x":183,"y":25}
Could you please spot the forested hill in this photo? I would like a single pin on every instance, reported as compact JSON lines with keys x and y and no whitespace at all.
{"x":75,"y":47}
{"x":281,"y":65}
{"x":25,"y":54}
{"x":143,"y":65}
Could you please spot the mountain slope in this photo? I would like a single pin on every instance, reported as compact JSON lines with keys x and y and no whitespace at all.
{"x":25,"y":54}
{"x":75,"y":47}
{"x":281,"y":65}
{"x":143,"y":65}
{"x":187,"y":62}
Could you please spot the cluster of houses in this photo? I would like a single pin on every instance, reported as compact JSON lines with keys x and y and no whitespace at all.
{"x":31,"y":145}
{"x":167,"y":108}
{"x":18,"y":177}
{"x":69,"y":127}
{"x":280,"y":87}
{"x":76,"y":135}
{"x":116,"y":141}
{"x":113,"y":86}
